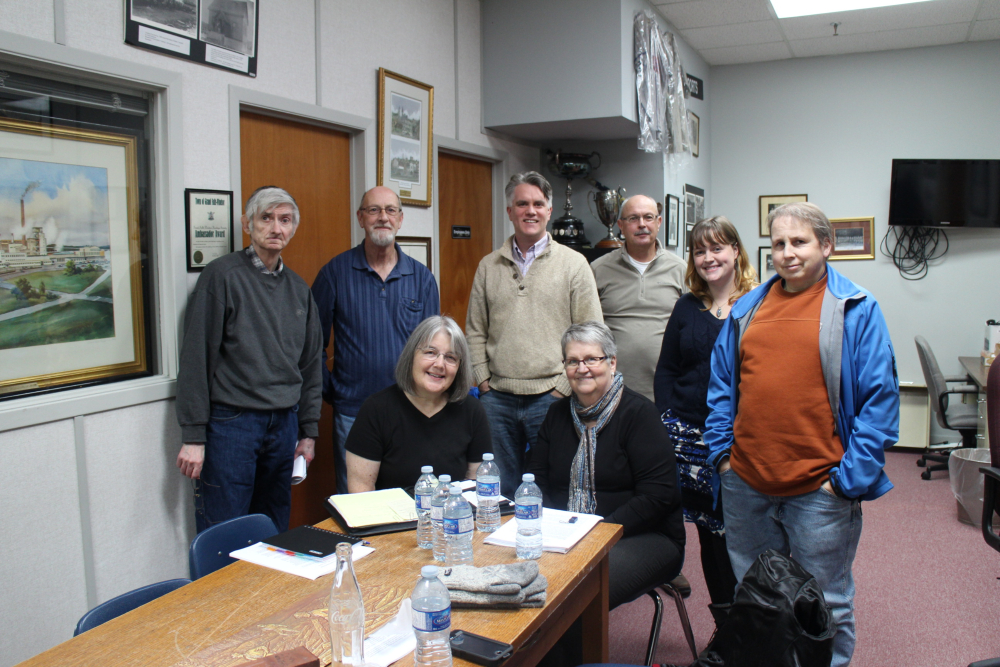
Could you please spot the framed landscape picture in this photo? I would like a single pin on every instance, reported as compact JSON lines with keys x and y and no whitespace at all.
{"x":852,"y":238}
{"x":71,"y":304}
{"x":405,"y":135}
{"x":770,"y":202}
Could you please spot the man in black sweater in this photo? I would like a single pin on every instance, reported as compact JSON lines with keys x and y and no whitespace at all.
{"x":249,"y":384}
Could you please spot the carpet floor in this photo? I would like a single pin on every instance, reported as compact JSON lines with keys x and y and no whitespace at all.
{"x":928,"y":586}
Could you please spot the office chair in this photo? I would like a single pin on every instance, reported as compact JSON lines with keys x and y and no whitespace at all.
{"x":126,"y":602}
{"x":211,"y":547}
{"x":678,"y":594}
{"x":991,"y":479}
{"x":958,"y":417}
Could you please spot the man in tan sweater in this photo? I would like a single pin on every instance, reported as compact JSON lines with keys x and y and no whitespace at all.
{"x":524,"y":295}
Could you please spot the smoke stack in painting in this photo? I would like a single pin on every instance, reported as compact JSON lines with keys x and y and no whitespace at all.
{"x":31,"y":186}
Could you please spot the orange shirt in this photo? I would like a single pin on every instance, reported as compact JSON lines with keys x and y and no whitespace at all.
{"x":785,"y":432}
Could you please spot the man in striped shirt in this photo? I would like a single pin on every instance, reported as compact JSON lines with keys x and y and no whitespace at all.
{"x":372,"y":296}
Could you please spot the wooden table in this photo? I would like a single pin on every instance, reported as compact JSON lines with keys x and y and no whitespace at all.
{"x":245,"y":611}
{"x":973,"y":367}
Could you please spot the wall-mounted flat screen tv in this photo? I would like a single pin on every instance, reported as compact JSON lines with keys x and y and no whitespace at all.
{"x":945,"y":193}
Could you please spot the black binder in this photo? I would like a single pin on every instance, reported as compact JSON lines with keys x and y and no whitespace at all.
{"x":310,"y":541}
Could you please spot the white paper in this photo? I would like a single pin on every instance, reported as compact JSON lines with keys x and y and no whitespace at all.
{"x":392,"y":641}
{"x":302,"y":566}
{"x":164,"y":40}
{"x":298,"y":470}
{"x":474,"y":500}
{"x":558,"y":534}
{"x":226,"y":58}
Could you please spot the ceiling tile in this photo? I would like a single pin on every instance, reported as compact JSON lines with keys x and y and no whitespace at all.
{"x":750,"y":53}
{"x":938,"y":12}
{"x":983,"y":30}
{"x":990,"y":10}
{"x":702,"y":13}
{"x":881,"y":41}
{"x":739,"y":34}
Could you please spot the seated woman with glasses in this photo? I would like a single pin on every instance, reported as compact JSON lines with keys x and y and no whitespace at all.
{"x":426,"y":418}
{"x":603,"y":450}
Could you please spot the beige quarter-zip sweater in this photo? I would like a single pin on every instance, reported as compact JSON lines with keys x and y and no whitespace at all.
{"x":515,"y":322}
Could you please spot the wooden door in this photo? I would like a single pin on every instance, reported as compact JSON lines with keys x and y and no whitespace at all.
{"x":313,"y":164}
{"x":465,"y":196}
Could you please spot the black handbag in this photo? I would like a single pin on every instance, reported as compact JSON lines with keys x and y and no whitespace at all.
{"x":778,"y":618}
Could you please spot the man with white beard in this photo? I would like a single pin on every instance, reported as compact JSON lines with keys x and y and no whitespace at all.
{"x":373,"y":296}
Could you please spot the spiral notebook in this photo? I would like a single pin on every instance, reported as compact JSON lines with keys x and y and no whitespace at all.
{"x":310,"y":541}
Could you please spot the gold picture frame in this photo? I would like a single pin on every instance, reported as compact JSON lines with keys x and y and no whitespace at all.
{"x":770,"y":202}
{"x":78,"y":188}
{"x":853,"y":238}
{"x":405,"y":137}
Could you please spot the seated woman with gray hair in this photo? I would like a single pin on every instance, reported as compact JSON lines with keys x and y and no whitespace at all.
{"x":604,"y":451}
{"x":426,"y":418}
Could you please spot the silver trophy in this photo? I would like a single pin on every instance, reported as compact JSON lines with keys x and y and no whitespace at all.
{"x":609,"y":204}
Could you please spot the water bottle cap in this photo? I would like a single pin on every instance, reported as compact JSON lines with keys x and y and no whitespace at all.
{"x":454,"y":490}
{"x":528,"y":477}
{"x":429,"y":571}
{"x":487,"y":457}
{"x":444,"y":478}
{"x":427,"y":469}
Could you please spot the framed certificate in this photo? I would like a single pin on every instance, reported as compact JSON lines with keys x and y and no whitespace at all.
{"x":209,"y":216}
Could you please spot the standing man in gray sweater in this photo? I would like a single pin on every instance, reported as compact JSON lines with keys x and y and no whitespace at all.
{"x":639,"y":285}
{"x":248,"y":389}
{"x":524,"y":296}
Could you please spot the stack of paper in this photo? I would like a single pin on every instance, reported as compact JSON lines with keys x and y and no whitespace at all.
{"x":292,"y":563}
{"x":560,"y":530}
{"x":375,"y":508}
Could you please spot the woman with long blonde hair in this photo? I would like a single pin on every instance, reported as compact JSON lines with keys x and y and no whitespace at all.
{"x":718,"y":273}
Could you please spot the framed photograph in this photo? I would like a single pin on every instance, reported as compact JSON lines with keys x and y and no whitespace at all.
{"x":695,"y":133}
{"x":852,"y":238}
{"x":694,"y":204}
{"x":417,"y":247}
{"x":220,"y":33}
{"x":688,"y":228}
{"x":770,"y":202}
{"x":71,"y":304}
{"x":405,"y":133}
{"x":765,"y":264}
{"x":209,"y":216}
{"x":673,"y":219}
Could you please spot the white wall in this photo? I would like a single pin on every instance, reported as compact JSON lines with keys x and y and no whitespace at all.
{"x":104,"y":485}
{"x":830,"y":127}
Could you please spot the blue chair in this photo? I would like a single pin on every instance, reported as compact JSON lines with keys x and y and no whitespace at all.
{"x":210,"y":548}
{"x":126,"y":602}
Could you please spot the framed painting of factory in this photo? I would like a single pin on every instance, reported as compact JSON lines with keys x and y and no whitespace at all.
{"x":71,"y":293}
{"x":405,"y":135}
{"x":219,"y":33}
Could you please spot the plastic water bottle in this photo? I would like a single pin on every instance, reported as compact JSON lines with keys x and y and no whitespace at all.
{"x":346,"y":613}
{"x":528,"y":513}
{"x":431,"y":615}
{"x":437,"y":515}
{"x":422,"y":493}
{"x":487,"y":495}
{"x":457,"y":523}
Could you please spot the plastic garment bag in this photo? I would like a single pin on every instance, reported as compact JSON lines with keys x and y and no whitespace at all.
{"x":659,"y":83}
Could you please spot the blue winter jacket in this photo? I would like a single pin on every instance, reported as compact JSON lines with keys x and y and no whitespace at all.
{"x":859,"y":367}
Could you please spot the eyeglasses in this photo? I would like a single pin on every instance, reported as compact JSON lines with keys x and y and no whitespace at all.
{"x":589,"y":362}
{"x":431,"y":354}
{"x":633,"y":219}
{"x":390,"y":211}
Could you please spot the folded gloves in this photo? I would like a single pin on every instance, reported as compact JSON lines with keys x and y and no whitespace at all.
{"x":509,"y":586}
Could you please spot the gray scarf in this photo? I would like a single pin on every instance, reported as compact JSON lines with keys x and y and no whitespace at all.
{"x":582,"y":496}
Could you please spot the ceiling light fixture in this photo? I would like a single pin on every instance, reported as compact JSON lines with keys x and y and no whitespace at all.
{"x":789,"y":8}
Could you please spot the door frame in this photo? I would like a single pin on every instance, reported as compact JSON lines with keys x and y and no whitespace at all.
{"x":360,"y":129}
{"x":499,"y":160}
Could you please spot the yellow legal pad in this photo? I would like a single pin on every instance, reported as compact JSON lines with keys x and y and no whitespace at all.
{"x":375,"y":508}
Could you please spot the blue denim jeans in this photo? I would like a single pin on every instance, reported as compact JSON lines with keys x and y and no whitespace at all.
{"x":341,"y":428}
{"x":514,"y":424}
{"x":818,"y":529}
{"x":248,"y":465}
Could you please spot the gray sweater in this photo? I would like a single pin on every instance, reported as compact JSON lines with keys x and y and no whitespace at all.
{"x":250,"y":341}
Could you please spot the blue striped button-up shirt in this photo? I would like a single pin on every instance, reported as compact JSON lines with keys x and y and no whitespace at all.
{"x":371,"y":321}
